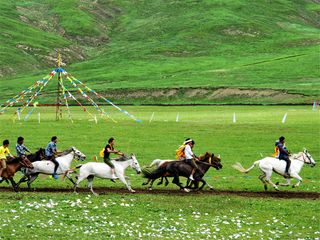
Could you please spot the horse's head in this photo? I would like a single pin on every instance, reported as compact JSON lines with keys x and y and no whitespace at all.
{"x":216,"y":161}
{"x":135,"y":164}
{"x":307,"y":158}
{"x":77,"y":154}
{"x":26,"y":163}
{"x":211,"y":159}
{"x":40,"y":154}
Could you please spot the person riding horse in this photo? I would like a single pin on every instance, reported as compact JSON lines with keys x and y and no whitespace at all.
{"x":4,"y":156}
{"x":21,"y":149}
{"x":50,"y":152}
{"x":107,"y":150}
{"x":190,"y":158}
{"x":283,"y":154}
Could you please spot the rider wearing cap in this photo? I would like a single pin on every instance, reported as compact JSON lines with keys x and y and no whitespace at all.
{"x":190,"y":157}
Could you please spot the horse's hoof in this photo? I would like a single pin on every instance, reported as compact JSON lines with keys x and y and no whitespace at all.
{"x":277,"y":189}
{"x":150,"y":189}
{"x":133,"y":191}
{"x":293,"y":186}
{"x":96,"y":194}
{"x":277,"y":183}
{"x":159,"y":183}
{"x":186,"y":190}
{"x":75,"y":192}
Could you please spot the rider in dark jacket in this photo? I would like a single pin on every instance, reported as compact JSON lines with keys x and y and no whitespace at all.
{"x":284,"y":154}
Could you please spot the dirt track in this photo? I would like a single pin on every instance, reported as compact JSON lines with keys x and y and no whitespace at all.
{"x":104,"y":190}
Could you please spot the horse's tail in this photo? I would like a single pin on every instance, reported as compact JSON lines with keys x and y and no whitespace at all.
{"x":159,"y":172}
{"x":72,"y":170}
{"x":240,"y":168}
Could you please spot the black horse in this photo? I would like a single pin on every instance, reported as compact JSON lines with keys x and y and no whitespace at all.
{"x":181,"y":168}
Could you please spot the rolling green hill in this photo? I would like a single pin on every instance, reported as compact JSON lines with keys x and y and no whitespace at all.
{"x":218,"y":51}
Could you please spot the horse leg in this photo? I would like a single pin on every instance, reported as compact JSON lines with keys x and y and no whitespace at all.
{"x":210,"y":187}
{"x":284,"y":184}
{"x":70,"y":178}
{"x":90,"y":184}
{"x":167,"y":181}
{"x":176,"y":181}
{"x":128,"y":180}
{"x":123,"y":180}
{"x":203,"y":184}
{"x":261,"y":177}
{"x":33,"y":177}
{"x":147,"y":182}
{"x":268,"y":180}
{"x":80,"y":179}
{"x":151,"y":184}
{"x":296,"y":176}
{"x":23,"y":179}
{"x":14,"y":185}
{"x":161,"y":181}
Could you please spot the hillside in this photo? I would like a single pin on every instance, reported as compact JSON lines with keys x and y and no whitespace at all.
{"x":219,"y":51}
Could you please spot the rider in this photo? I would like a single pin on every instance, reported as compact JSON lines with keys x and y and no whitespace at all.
{"x":190,"y":157}
{"x":21,"y":149}
{"x":4,"y":154}
{"x":50,"y":152}
{"x":283,"y":154}
{"x":110,"y":149}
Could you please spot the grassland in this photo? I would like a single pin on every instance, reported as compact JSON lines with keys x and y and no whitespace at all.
{"x":144,"y":45}
{"x":148,"y":216}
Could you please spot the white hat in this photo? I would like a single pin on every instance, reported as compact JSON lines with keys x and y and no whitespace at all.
{"x":189,"y":140}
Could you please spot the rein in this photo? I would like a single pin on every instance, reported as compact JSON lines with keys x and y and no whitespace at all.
{"x":304,"y":159}
{"x":209,"y":164}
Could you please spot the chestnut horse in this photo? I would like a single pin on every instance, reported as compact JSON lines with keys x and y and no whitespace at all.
{"x":14,"y":165}
{"x":181,"y":168}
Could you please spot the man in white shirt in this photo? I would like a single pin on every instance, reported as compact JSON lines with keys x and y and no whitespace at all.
{"x":190,"y":157}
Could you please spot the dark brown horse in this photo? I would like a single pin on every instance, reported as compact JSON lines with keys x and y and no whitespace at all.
{"x":181,"y":168}
{"x":14,"y":165}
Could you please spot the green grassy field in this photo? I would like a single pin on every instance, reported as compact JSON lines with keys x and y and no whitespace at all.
{"x":169,"y":216}
{"x":131,"y":45}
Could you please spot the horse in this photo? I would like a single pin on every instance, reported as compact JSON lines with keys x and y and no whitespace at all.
{"x":94,"y":169}
{"x":157,"y":163}
{"x":269,"y":164}
{"x":180,"y":168}
{"x":37,"y":156}
{"x":14,"y":165}
{"x":47,"y":166}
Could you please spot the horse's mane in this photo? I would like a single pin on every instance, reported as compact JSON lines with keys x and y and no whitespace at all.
{"x":122,"y":158}
{"x":14,"y":160}
{"x":203,"y":157}
{"x":65,"y":152}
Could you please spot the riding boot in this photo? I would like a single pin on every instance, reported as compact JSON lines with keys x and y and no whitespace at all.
{"x":287,"y":168}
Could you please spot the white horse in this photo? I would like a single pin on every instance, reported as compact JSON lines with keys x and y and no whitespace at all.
{"x":47,"y":166}
{"x":269,"y":164}
{"x":102,"y":170}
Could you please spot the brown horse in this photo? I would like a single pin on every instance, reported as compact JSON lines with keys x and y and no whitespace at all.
{"x":181,"y":168}
{"x":14,"y":165}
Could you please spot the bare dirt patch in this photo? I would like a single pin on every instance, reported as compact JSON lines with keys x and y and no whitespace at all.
{"x":247,"y":194}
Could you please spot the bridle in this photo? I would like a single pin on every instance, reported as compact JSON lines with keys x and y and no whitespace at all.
{"x":304,"y":156}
